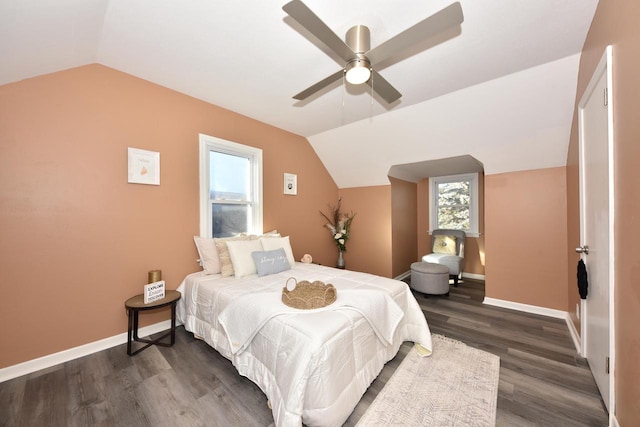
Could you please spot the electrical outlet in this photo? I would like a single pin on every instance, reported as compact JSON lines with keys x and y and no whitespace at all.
{"x":578,"y":310}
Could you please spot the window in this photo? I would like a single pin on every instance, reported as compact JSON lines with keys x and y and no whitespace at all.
{"x":230,"y":188}
{"x":453,"y":202}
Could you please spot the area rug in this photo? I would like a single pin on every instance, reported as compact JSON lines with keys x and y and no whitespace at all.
{"x":456,"y":386}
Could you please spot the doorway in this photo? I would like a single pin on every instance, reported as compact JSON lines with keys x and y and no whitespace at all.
{"x":596,"y":225}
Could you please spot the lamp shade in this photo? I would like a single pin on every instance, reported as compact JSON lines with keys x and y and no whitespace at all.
{"x":358,"y":71}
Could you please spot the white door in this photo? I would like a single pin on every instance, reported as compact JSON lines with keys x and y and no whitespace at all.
{"x":596,"y":223}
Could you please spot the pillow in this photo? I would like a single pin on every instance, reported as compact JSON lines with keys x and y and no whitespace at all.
{"x":208,"y":254}
{"x":272,"y":233}
{"x":226,"y":267}
{"x":271,"y":243}
{"x":270,"y":262}
{"x":444,"y":245}
{"x":240,"y":254}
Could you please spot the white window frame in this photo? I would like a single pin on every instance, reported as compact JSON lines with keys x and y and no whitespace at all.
{"x":475,"y":203}
{"x":211,"y":143}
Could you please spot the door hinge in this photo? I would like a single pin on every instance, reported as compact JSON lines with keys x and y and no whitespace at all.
{"x":606,"y":96}
{"x":607,"y":364}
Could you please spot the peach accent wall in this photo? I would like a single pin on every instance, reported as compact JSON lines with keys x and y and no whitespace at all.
{"x":78,"y":240}
{"x":404,"y":218}
{"x":526,"y":229}
{"x":616,"y":23}
{"x":369,"y":248}
{"x":474,"y":255}
{"x":474,"y":246}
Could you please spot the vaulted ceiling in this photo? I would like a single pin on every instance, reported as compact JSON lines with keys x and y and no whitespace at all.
{"x":501,"y":88}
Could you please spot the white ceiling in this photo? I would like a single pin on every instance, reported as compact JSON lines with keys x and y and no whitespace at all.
{"x":503,"y":90}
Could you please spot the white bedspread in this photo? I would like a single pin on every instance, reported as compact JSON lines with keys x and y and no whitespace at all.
{"x":313,"y":366}
{"x":244,"y":317}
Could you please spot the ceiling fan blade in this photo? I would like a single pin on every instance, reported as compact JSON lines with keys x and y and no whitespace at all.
{"x":305,"y":17}
{"x":383,"y":88}
{"x":448,"y":17}
{"x":319,"y":86}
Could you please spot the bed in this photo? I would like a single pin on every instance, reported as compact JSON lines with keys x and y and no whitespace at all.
{"x":313,"y":365}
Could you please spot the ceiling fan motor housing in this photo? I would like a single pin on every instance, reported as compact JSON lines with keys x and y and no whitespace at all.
{"x":358,"y":38}
{"x":358,"y":69}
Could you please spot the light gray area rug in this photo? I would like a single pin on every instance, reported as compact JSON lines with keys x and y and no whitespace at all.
{"x":456,"y":386}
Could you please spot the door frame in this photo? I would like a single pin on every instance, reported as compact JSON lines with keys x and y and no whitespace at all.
{"x":604,"y":66}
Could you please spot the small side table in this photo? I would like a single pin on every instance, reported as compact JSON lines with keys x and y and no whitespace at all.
{"x":135,"y":305}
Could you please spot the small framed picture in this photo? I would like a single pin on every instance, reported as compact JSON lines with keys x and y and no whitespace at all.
{"x":144,"y":166}
{"x":290,"y":184}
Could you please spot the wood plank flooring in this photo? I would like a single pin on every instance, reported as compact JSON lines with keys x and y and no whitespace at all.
{"x":542,"y":380}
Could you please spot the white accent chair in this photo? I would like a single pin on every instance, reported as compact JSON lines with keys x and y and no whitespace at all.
{"x":447,"y":248}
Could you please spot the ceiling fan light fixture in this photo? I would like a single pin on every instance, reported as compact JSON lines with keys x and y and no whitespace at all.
{"x":358,"y":71}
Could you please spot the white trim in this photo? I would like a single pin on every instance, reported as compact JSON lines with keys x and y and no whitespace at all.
{"x":63,"y":356}
{"x":612,"y":244}
{"x":467,"y":275}
{"x":473,"y":276}
{"x":403,"y":275}
{"x":575,"y":337}
{"x":211,"y":143}
{"x":534,"y":309}
{"x":613,"y":421}
{"x":604,"y":66}
{"x":474,"y":230}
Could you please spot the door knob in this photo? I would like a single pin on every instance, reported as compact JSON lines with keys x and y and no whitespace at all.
{"x":583,"y":250}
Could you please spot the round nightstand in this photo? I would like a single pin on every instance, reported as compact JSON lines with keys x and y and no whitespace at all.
{"x":135,"y":305}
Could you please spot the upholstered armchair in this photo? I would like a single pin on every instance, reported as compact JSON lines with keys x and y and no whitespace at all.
{"x":447,"y":247}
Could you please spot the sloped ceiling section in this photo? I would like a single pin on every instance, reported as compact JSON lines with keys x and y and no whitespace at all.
{"x":250,"y":57}
{"x":39,"y":37}
{"x":517,"y":122}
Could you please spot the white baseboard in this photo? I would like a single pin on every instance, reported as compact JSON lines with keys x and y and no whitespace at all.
{"x":575,"y":336}
{"x":473,"y":276}
{"x":559,"y":314}
{"x":613,"y":421}
{"x":403,"y":275}
{"x":34,"y":365}
{"x":534,"y":309}
{"x":467,"y":275}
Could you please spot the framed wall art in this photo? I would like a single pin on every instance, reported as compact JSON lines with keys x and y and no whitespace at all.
{"x":144,"y":166}
{"x":290,"y":184}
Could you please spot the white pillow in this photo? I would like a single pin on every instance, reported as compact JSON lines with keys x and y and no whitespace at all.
{"x":271,"y":243}
{"x":226,"y":267}
{"x":208,"y":254}
{"x":240,"y":254}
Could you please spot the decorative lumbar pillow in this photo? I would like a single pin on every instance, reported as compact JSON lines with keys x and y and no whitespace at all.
{"x":271,"y":243}
{"x":208,"y":254}
{"x":240,"y":254}
{"x":270,"y":262}
{"x":444,"y":245}
{"x":226,"y":266}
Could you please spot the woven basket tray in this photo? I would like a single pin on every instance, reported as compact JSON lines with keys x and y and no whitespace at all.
{"x":307,"y":295}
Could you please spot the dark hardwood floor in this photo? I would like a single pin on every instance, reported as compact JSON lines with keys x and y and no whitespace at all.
{"x":542,"y":380}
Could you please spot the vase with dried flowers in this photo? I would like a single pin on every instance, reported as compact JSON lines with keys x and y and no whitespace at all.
{"x":339,"y":223}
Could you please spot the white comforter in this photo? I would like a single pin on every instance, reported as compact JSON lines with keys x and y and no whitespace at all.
{"x":313,"y":365}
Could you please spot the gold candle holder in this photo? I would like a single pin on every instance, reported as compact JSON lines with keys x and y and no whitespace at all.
{"x":155,"y":276}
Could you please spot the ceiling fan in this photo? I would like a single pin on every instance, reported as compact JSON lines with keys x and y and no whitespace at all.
{"x":359,"y":59}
